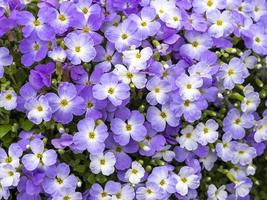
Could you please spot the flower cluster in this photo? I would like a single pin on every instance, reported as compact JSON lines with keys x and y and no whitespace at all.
{"x":132,"y":99}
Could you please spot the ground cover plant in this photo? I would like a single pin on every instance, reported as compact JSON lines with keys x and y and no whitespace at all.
{"x":133,"y":99}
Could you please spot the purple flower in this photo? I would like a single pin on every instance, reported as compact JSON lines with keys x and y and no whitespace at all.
{"x":91,"y":136}
{"x":188,"y":139}
{"x":160,"y":117}
{"x":80,"y":48}
{"x":261,"y":130}
{"x":146,"y":25}
{"x":186,"y":179}
{"x":189,"y":87}
{"x":194,"y":22}
{"x":207,"y":5}
{"x":207,"y":133}
{"x":13,"y":156}
{"x":38,"y":156}
{"x":123,"y":36}
{"x":8,"y":176}
{"x":110,"y":88}
{"x":150,"y":191}
{"x":235,"y":123}
{"x":36,"y":26}
{"x":67,"y":194}
{"x":106,"y":57}
{"x":221,"y":23}
{"x":118,"y":191}
{"x":214,"y":193}
{"x":38,"y":110}
{"x":233,"y":73}
{"x":243,"y":154}
{"x":57,"y":54}
{"x":63,"y":18}
{"x":103,"y":162}
{"x":67,"y":104}
{"x":8,"y":99}
{"x":129,"y":127}
{"x":5,"y":59}
{"x":58,"y":179}
{"x":198,"y":44}
{"x":159,"y":90}
{"x":41,"y":76}
{"x":33,"y":50}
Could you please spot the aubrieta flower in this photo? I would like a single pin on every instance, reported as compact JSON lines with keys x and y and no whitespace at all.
{"x":13,"y":156}
{"x":186,"y":179}
{"x":137,"y":59}
{"x":236,"y":124}
{"x":8,"y":99}
{"x":9,"y":176}
{"x":41,"y":75}
{"x":67,"y":194}
{"x":207,"y":133}
{"x":189,"y":87}
{"x":250,"y":101}
{"x":80,"y":48}
{"x":221,"y":23}
{"x":130,"y":127}
{"x":198,"y":44}
{"x":261,"y":130}
{"x":146,"y":24}
{"x":33,"y":50}
{"x":57,"y":54}
{"x":36,"y":26}
{"x":216,"y":194}
{"x":67,"y":104}
{"x":5,"y":59}
{"x":159,"y":90}
{"x":159,"y":118}
{"x":188,"y":139}
{"x":123,"y":36}
{"x":91,"y":136}
{"x":110,"y":88}
{"x":130,"y":75}
{"x":135,"y":173}
{"x":103,"y":162}
{"x":207,"y":5}
{"x":149,"y":192}
{"x":118,"y":191}
{"x":233,"y":73}
{"x":38,"y":157}
{"x":243,"y":154}
{"x":58,"y":179}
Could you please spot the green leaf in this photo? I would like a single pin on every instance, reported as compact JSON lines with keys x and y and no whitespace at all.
{"x":26,"y":125}
{"x":4,"y":129}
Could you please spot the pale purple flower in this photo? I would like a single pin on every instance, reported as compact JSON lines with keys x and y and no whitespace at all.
{"x":243,"y":154}
{"x":8,"y":99}
{"x":38,"y":157}
{"x":80,"y":48}
{"x":110,"y":88}
{"x":5,"y":59}
{"x":135,"y":173}
{"x":91,"y":136}
{"x":8,"y":176}
{"x":67,"y":104}
{"x":159,"y":90}
{"x":207,"y":133}
{"x":159,"y":118}
{"x":149,"y":192}
{"x":103,"y":162}
{"x":188,"y":139}
{"x":216,"y":194}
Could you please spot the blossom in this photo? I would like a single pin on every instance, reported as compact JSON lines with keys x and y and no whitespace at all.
{"x":5,"y":59}
{"x":123,"y":36}
{"x":188,"y":139}
{"x":135,"y":173}
{"x":146,"y":25}
{"x":261,"y":130}
{"x":8,"y":176}
{"x":91,"y":136}
{"x":38,"y":156}
{"x":67,"y":194}
{"x":80,"y":48}
{"x":189,"y":87}
{"x":221,"y":23}
{"x":160,"y":117}
{"x":67,"y":104}
{"x":132,"y":128}
{"x":186,"y":179}
{"x":59,"y":179}
{"x":103,"y":162}
{"x":243,"y":154}
{"x":150,"y":191}
{"x":207,"y":133}
{"x":214,"y":193}
{"x":8,"y":99}
{"x":232,"y":74}
{"x":13,"y":156}
{"x":110,"y":88}
{"x":118,"y":191}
